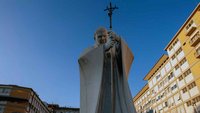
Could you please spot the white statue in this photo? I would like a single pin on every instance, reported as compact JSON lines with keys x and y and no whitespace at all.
{"x":104,"y":72}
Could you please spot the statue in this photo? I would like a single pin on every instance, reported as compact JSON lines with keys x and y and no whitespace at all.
{"x":104,"y":72}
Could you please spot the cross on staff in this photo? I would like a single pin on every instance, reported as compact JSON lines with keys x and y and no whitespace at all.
{"x":110,"y":10}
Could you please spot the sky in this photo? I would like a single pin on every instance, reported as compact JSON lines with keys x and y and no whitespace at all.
{"x":41,"y":40}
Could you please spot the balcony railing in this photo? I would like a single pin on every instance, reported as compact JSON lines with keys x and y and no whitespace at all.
{"x":197,"y":53}
{"x":191,"y":29}
{"x":195,"y":39}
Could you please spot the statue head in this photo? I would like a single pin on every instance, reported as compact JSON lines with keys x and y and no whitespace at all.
{"x":101,"y":36}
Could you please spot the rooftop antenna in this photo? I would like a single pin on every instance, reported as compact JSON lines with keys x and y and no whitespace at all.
{"x":110,"y":10}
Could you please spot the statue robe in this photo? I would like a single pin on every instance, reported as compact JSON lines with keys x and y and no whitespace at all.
{"x":103,"y":80}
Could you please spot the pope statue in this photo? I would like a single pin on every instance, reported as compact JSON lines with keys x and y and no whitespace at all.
{"x":104,"y":72}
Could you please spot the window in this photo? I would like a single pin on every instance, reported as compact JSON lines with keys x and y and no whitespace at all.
{"x":178,"y":51}
{"x":166,"y":80}
{"x":166,"y":104}
{"x":153,"y":91}
{"x":190,"y":86}
{"x":5,"y":90}
{"x":170,"y":48}
{"x":196,"y":99}
{"x":153,"y":100}
{"x":173,"y":57}
{"x":175,"y":42}
{"x":189,"y":103}
{"x":174,"y":87}
{"x":183,"y":61}
{"x":186,"y":73}
{"x":158,"y":98}
{"x":163,"y":94}
{"x":190,"y":24}
{"x":184,"y":90}
{"x":168,"y":90}
{"x":171,"y":76}
{"x":161,"y":84}
{"x":158,"y":76}
{"x":177,"y":66}
{"x":180,"y":78}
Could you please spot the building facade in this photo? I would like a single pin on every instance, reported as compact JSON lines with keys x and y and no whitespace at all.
{"x":17,"y":99}
{"x":55,"y":108}
{"x":174,"y":81}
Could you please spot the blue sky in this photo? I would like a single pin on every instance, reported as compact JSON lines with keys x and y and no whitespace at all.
{"x":41,"y":40}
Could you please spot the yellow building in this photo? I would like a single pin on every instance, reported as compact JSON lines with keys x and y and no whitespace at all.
{"x":174,"y":81}
{"x":17,"y":99}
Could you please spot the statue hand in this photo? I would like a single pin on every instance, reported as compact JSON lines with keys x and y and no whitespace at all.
{"x":114,"y":36}
{"x":109,"y":44}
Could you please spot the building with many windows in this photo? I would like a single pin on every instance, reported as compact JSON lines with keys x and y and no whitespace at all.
{"x":174,"y":81}
{"x":55,"y":108}
{"x":17,"y":99}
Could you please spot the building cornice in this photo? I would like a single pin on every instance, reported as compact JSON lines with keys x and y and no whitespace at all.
{"x":185,"y":23}
{"x":159,"y":63}
{"x":139,"y":94}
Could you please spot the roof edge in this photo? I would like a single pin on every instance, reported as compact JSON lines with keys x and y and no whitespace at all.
{"x":184,"y":24}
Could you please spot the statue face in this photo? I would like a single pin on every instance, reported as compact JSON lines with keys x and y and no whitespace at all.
{"x":101,"y":37}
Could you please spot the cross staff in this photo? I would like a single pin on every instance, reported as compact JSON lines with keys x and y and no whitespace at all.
{"x":110,"y":12}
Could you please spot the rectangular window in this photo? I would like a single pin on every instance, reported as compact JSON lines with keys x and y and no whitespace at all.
{"x":186,"y":73}
{"x":174,"y":87}
{"x":189,"y":103}
{"x":170,"y":48}
{"x":183,"y":61}
{"x":175,"y":42}
{"x":196,"y":99}
{"x":184,"y":90}
{"x":190,"y":86}
{"x":173,"y":57}
{"x":171,"y":75}
{"x":158,"y":76}
{"x":166,"y":104}
{"x":190,"y":24}
{"x":178,"y":51}
{"x":177,"y":66}
{"x":180,"y":78}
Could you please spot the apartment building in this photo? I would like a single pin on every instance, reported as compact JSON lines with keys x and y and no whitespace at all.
{"x":174,"y":81}
{"x":17,"y":99}
{"x":55,"y":108}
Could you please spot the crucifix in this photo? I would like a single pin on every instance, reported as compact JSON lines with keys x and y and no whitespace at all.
{"x":110,"y":10}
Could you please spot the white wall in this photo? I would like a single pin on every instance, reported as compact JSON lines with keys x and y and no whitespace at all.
{"x":180,"y":55}
{"x":177,"y":46}
{"x":189,"y":109}
{"x":170,"y":53}
{"x":194,"y":91}
{"x":177,"y":72}
{"x":181,"y":83}
{"x":154,"y":80}
{"x":168,"y":67}
{"x":189,"y":78}
{"x":185,"y":95}
{"x":150,"y":84}
{"x":173,"y":62}
{"x":180,"y":109}
{"x":162,"y":72}
{"x":177,"y":99}
{"x":184,"y":66}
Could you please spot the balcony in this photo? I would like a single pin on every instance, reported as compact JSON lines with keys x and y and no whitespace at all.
{"x":191,"y":28}
{"x":195,"y":39}
{"x":197,"y":53}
